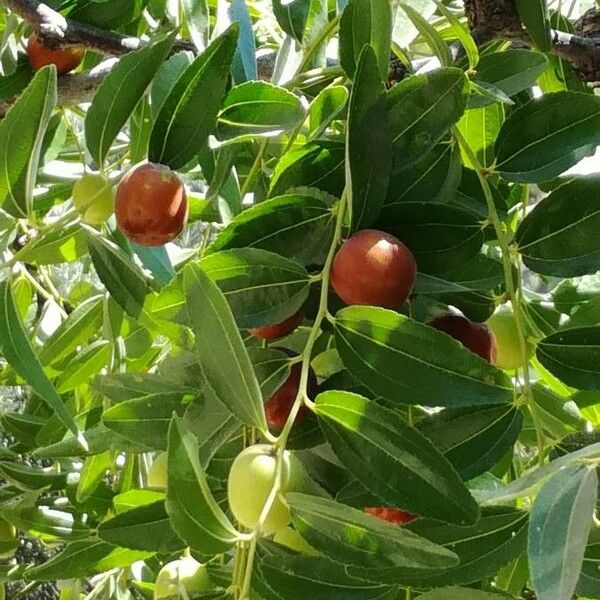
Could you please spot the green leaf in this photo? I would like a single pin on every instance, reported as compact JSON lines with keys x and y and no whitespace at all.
{"x":522,"y":486}
{"x":261,"y":287}
{"x":135,"y":498}
{"x":473,"y":439}
{"x":258,"y":108}
{"x":573,"y":355}
{"x":441,"y":237}
{"x":272,"y":367}
{"x":328,"y":105}
{"x":368,"y":149}
{"x":536,"y":18}
{"x":156,"y":260}
{"x":547,"y":136}
{"x":561,"y":518}
{"x":32,"y":478}
{"x":481,"y":274}
{"x":144,"y":420}
{"x":47,"y":521}
{"x":224,"y":361}
{"x":366,"y":23}
{"x":143,"y":386}
{"x":197,"y":19}
{"x":408,"y":362}
{"x":109,"y":14}
{"x":363,"y":433}
{"x":354,"y":537}
{"x":98,"y":438}
{"x":458,"y":593}
{"x":292,"y":16}
{"x":297,"y":226}
{"x":166,"y":77}
{"x":142,"y":528}
{"x":559,"y":416}
{"x":75,"y":330}
{"x":212,"y":424}
{"x":589,"y":581}
{"x":561,"y":235}
{"x":65,"y":244}
{"x":201,"y":523}
{"x":19,"y":354}
{"x":499,"y":537}
{"x":83,"y":559}
{"x":513,"y":70}
{"x":404,"y":31}
{"x":124,"y":280}
{"x":318,"y":164}
{"x":188,"y":114}
{"x":93,"y":473}
{"x":12,"y":85}
{"x":435,"y":177}
{"x":481,"y":127}
{"x":462,"y":33}
{"x":298,"y":578}
{"x":118,"y":95}
{"x":422,"y":109}
{"x":21,"y":136}
{"x":430,"y":34}
{"x":84,"y":366}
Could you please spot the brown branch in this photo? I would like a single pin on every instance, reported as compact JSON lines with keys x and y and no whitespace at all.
{"x":74,"y":88}
{"x":55,"y":31}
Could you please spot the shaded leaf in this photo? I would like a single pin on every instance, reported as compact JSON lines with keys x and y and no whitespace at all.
{"x":363,"y":433}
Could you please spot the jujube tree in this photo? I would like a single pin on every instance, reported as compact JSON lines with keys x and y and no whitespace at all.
{"x":299,"y":299}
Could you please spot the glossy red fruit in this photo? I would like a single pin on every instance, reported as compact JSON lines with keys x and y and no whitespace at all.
{"x":279,"y":330}
{"x":373,"y":268}
{"x":151,"y":205}
{"x":65,"y":59}
{"x":392,"y":515}
{"x":477,"y":337}
{"x":279,"y":405}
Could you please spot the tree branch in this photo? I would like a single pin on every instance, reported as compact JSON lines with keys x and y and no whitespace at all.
{"x":74,"y":88}
{"x":55,"y":31}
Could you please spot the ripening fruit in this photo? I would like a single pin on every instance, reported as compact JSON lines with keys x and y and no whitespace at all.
{"x":93,"y":197}
{"x":477,"y":337}
{"x":157,"y":474}
{"x":504,"y":327}
{"x":373,"y":268}
{"x":151,"y":205}
{"x":8,"y":539}
{"x":279,"y":405}
{"x":279,"y":330}
{"x":291,"y":539}
{"x":65,"y":59}
{"x":250,"y":482}
{"x":185,"y":572}
{"x":391,"y":515}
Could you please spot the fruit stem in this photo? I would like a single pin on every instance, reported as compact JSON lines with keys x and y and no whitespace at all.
{"x":301,"y":398}
{"x":255,"y":169}
{"x":514,"y":294}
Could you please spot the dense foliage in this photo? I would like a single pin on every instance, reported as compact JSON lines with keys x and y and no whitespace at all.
{"x":300,"y":301}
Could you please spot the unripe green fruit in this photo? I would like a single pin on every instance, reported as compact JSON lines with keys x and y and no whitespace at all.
{"x":291,"y":539}
{"x":251,"y":480}
{"x":185,"y":572}
{"x":93,"y":197}
{"x":508,"y":349}
{"x":157,"y":474}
